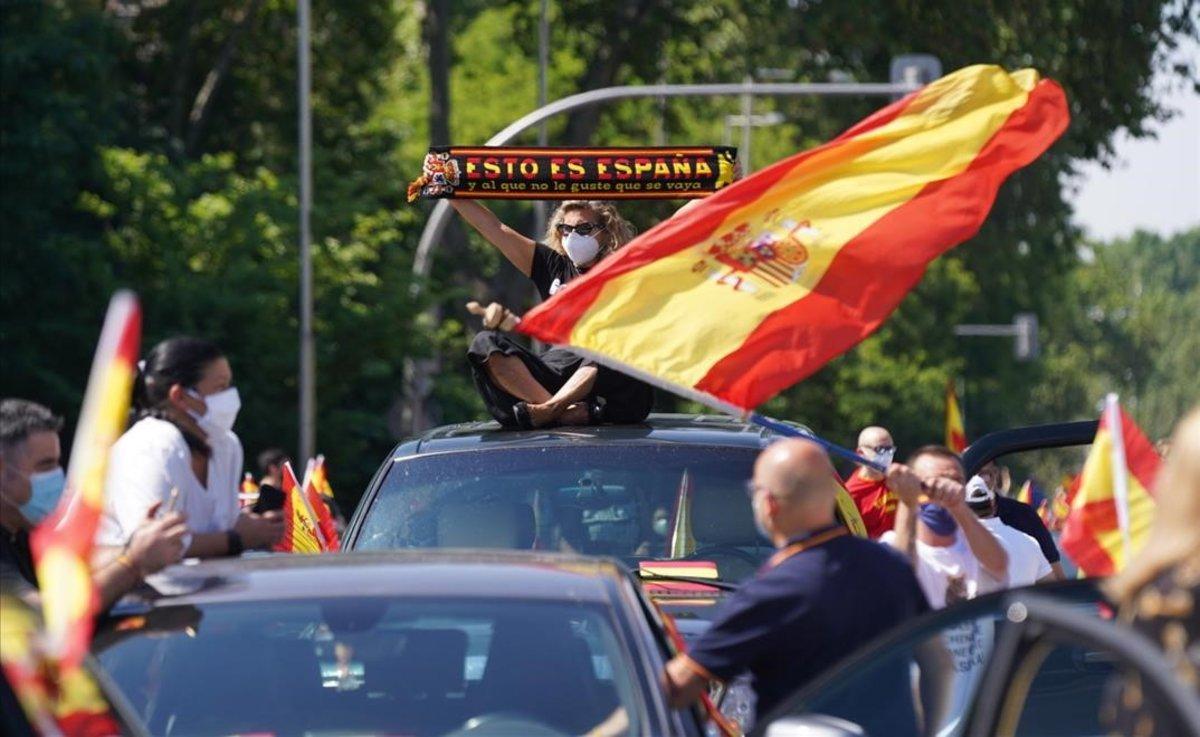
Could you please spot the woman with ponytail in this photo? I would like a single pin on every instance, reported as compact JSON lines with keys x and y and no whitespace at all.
{"x":181,"y":440}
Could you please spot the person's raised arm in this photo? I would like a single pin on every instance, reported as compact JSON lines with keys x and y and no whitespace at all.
{"x":983,"y":544}
{"x":907,"y":486}
{"x":517,"y":248}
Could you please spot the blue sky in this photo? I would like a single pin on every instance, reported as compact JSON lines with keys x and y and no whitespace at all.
{"x":1154,"y":184}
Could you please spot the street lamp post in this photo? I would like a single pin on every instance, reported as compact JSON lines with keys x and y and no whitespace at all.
{"x":308,"y":363}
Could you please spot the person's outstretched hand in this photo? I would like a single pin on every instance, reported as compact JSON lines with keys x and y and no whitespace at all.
{"x":495,"y":316}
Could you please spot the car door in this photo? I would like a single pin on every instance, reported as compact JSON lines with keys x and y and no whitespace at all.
{"x":1049,"y":669}
{"x":935,"y":664}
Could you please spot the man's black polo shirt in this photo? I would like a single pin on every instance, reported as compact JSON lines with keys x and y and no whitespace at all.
{"x":16,"y":559}
{"x":795,"y":619}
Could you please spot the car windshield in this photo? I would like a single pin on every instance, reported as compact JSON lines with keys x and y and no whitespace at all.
{"x":639,"y":502}
{"x":373,"y":666}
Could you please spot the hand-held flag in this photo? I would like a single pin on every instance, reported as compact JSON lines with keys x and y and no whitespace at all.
{"x":62,"y":544}
{"x":1112,"y":508}
{"x":956,"y":434}
{"x":771,"y":277}
{"x":317,"y":487}
{"x":300,"y":533}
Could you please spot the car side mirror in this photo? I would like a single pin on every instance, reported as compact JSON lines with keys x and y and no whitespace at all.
{"x":814,"y":725}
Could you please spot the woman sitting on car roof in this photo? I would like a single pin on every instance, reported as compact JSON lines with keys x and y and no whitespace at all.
{"x":555,"y":387}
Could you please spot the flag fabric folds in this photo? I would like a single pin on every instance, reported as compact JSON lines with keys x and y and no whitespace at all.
{"x":768,"y":279}
{"x":62,"y":544}
{"x":316,"y":487}
{"x":300,"y":533}
{"x":1097,"y":527}
{"x":956,"y":433}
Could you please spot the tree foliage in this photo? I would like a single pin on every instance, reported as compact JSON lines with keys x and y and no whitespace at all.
{"x":152,"y":145}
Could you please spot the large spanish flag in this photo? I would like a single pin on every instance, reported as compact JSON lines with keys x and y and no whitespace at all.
{"x":1112,"y":508}
{"x":63,"y":543}
{"x":769,"y":278}
{"x":956,"y":434}
{"x":317,"y":490}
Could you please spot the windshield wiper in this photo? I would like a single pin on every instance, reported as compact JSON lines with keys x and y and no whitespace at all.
{"x":715,"y":583}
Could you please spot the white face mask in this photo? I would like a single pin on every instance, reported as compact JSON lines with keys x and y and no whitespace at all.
{"x":581,"y":249}
{"x":222,"y":411}
{"x":885,"y":458}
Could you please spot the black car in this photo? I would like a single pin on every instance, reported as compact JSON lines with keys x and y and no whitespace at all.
{"x":672,"y":488}
{"x":402,"y":643}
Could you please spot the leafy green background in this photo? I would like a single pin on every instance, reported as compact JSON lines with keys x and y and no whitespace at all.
{"x":153,"y":146}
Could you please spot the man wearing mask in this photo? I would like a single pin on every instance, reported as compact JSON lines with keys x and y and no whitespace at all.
{"x":954,"y":555}
{"x":823,"y":594}
{"x":876,"y":502}
{"x":1026,"y":564}
{"x":31,"y":485}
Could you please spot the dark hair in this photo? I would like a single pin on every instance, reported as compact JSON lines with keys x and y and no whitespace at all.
{"x":20,"y":418}
{"x":270,"y":457}
{"x":182,"y":361}
{"x":937,"y":451}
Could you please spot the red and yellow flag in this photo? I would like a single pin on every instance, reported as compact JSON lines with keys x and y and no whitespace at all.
{"x":771,"y":277}
{"x":300,"y":533}
{"x":1102,"y":532}
{"x":956,"y":434}
{"x":62,"y":544}
{"x":248,"y":494}
{"x":317,"y":488}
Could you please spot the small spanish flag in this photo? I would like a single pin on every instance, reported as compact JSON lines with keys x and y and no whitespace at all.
{"x":300,"y":534}
{"x":771,"y":277}
{"x":63,"y":543}
{"x":956,"y":434}
{"x":1113,"y":507}
{"x":316,"y":484}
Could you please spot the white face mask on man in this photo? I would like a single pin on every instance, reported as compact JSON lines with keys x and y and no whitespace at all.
{"x":222,"y":412}
{"x":581,"y":249}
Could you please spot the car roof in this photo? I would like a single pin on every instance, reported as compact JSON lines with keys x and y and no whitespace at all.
{"x":432,"y":573}
{"x":689,"y":429}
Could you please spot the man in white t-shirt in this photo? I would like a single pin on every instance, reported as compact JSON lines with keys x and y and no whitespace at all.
{"x":954,"y":555}
{"x":1026,"y":563}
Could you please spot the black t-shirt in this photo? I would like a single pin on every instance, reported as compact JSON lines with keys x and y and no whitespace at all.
{"x":16,"y":557}
{"x":791,"y":622}
{"x":1021,"y":516}
{"x":550,"y":270}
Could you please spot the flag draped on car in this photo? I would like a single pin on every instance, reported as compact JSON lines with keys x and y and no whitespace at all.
{"x":956,"y":433}
{"x":62,"y":544}
{"x":1112,"y":508}
{"x":768,"y":279}
{"x":300,"y":533}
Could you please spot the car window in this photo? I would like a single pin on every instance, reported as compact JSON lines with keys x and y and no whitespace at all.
{"x":638,"y":502}
{"x":373,"y":665}
{"x":1067,"y":692}
{"x":935,"y":667}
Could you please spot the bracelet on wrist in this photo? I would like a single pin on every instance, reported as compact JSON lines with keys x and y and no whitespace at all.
{"x":234,"y":539}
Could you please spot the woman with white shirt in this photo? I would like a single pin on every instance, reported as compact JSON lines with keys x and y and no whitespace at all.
{"x":182,"y":439}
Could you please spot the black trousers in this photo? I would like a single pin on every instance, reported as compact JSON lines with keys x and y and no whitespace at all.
{"x":623,"y":400}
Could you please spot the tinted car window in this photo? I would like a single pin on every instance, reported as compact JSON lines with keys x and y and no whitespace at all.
{"x":372,"y":666}
{"x":632,"y":501}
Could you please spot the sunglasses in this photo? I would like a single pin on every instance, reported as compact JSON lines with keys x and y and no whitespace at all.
{"x":581,"y":228}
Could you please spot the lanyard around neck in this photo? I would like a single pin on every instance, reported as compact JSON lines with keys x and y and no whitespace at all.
{"x":806,"y":544}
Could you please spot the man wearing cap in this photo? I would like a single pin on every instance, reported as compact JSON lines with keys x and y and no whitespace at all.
{"x":876,"y":502}
{"x":822,"y":595}
{"x":1026,"y":563}
{"x":954,"y":555}
{"x":1023,"y":518}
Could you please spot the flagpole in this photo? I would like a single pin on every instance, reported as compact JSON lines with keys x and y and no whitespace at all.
{"x":1120,"y":472}
{"x":782,"y":428}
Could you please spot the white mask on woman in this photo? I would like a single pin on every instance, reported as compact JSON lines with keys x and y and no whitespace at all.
{"x":581,"y":249}
{"x":222,"y":411}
